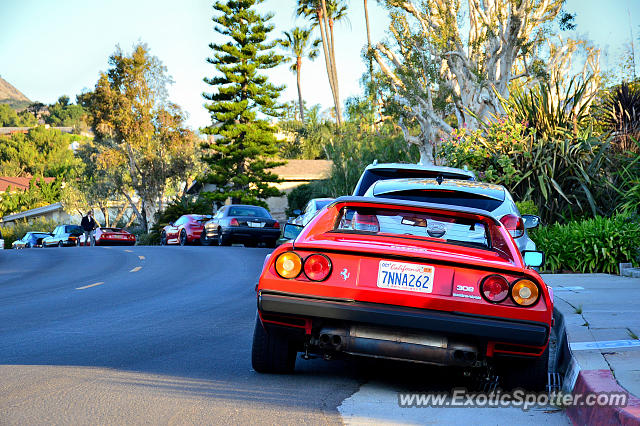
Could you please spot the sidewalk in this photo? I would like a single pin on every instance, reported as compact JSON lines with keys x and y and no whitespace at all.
{"x":600,"y":314}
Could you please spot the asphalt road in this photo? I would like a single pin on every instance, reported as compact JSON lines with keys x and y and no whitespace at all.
{"x":162,"y":335}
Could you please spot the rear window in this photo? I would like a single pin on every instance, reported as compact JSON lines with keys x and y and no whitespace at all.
{"x":452,"y":198}
{"x":249,"y":211}
{"x":371,"y":176}
{"x":414,"y":225}
{"x":74,"y":229}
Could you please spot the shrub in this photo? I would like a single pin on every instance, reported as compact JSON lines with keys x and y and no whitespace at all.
{"x":528,"y":207}
{"x":21,"y":227}
{"x":592,"y":245}
{"x":301,"y":195}
{"x":150,"y":239}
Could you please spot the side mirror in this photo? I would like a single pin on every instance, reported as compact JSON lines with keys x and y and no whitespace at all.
{"x":297,"y":212}
{"x":533,"y":258}
{"x":530,"y":221}
{"x":291,"y":231}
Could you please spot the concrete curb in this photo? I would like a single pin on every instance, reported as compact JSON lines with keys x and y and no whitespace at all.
{"x":579,"y":381}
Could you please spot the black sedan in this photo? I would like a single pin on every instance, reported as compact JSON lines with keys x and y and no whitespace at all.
{"x":239,"y":223}
{"x":63,"y":235}
{"x":30,"y":239}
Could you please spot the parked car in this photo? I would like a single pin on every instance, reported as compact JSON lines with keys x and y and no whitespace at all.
{"x":240,"y":223}
{"x":186,"y":230}
{"x":311,"y":209}
{"x":63,"y":235}
{"x":30,"y":239}
{"x":405,"y":280}
{"x":109,"y":236}
{"x":381,"y":171}
{"x":464,"y":193}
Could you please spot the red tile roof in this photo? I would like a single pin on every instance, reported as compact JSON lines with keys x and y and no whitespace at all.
{"x":21,"y":183}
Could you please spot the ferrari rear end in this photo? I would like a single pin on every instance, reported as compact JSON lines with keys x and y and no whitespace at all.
{"x":404,"y":281}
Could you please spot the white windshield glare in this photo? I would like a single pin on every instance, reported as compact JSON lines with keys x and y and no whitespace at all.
{"x":414,"y":224}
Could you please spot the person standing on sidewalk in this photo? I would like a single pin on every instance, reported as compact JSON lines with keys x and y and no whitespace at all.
{"x":88,"y":225}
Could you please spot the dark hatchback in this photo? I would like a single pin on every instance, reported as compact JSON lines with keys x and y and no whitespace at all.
{"x":239,"y":223}
{"x":30,"y":239}
{"x":63,"y":236}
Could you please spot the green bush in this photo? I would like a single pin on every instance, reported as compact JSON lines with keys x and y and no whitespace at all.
{"x":300,"y":195}
{"x":592,"y":245}
{"x":21,"y":227}
{"x":150,"y":239}
{"x":528,"y":207}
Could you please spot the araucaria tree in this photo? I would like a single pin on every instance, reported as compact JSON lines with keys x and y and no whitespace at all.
{"x":141,"y":143}
{"x":239,"y":152}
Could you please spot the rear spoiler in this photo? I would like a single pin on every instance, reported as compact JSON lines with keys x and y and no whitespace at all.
{"x":417,"y":204}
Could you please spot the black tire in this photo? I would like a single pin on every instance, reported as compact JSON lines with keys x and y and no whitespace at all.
{"x":183,"y":238}
{"x":271,"y":352}
{"x":60,"y":244}
{"x":163,"y":239}
{"x":203,"y":239}
{"x":531,"y":374}
{"x":272,"y":244}
{"x":28,"y":245}
{"x":222,"y":241}
{"x":251,"y":244}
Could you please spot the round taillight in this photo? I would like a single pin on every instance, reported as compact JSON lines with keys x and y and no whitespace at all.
{"x":317,"y":267}
{"x":494,"y":288}
{"x":525,"y":292}
{"x":288,"y":265}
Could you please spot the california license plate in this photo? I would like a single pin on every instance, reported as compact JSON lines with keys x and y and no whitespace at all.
{"x":255,"y":224}
{"x":405,"y":276}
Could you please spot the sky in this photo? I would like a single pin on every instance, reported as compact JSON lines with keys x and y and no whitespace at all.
{"x":52,"y":48}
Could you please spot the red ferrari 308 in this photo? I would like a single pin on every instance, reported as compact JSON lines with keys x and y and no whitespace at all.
{"x":410,"y":281}
{"x":108,"y":236}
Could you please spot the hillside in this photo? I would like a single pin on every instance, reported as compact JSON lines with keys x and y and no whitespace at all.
{"x":12,"y":96}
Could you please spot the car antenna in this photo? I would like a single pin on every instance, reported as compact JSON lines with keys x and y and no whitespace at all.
{"x":439,"y":179}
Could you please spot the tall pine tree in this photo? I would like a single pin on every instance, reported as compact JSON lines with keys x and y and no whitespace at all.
{"x":239,"y":153}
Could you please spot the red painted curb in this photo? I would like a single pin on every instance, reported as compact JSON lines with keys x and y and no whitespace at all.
{"x":600,"y":381}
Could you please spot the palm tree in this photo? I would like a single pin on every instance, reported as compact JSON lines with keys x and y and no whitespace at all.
{"x":323,"y":14}
{"x":299,"y":43}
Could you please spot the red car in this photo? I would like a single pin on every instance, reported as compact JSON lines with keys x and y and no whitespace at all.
{"x":109,"y":236}
{"x":185,"y":230}
{"x":403,"y":280}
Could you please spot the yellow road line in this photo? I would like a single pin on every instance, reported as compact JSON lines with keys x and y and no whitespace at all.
{"x":141,"y":257}
{"x":129,"y":251}
{"x":90,"y":285}
{"x":136,"y":269}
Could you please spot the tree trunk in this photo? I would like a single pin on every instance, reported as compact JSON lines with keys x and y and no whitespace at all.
{"x":142,"y":217}
{"x":327,"y":55}
{"x":334,"y":71}
{"x":373,"y":98}
{"x":120,"y":214}
{"x":298,"y":65}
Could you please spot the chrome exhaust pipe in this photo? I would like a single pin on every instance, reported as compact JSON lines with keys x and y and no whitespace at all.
{"x":398,"y":344}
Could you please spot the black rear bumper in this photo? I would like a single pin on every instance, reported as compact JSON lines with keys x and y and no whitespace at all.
{"x":448,"y":323}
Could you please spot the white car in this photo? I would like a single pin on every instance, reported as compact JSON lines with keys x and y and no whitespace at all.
{"x":464,"y":193}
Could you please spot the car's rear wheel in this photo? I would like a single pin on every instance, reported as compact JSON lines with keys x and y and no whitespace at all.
{"x":271,"y":352}
{"x":60,"y":244}
{"x":163,"y":239}
{"x":183,"y":238}
{"x":203,"y":239}
{"x":222,"y":241}
{"x":28,"y":245}
{"x":530,"y":374}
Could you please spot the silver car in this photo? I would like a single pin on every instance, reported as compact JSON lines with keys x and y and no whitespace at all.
{"x":311,"y":209}
{"x":465,"y":193}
